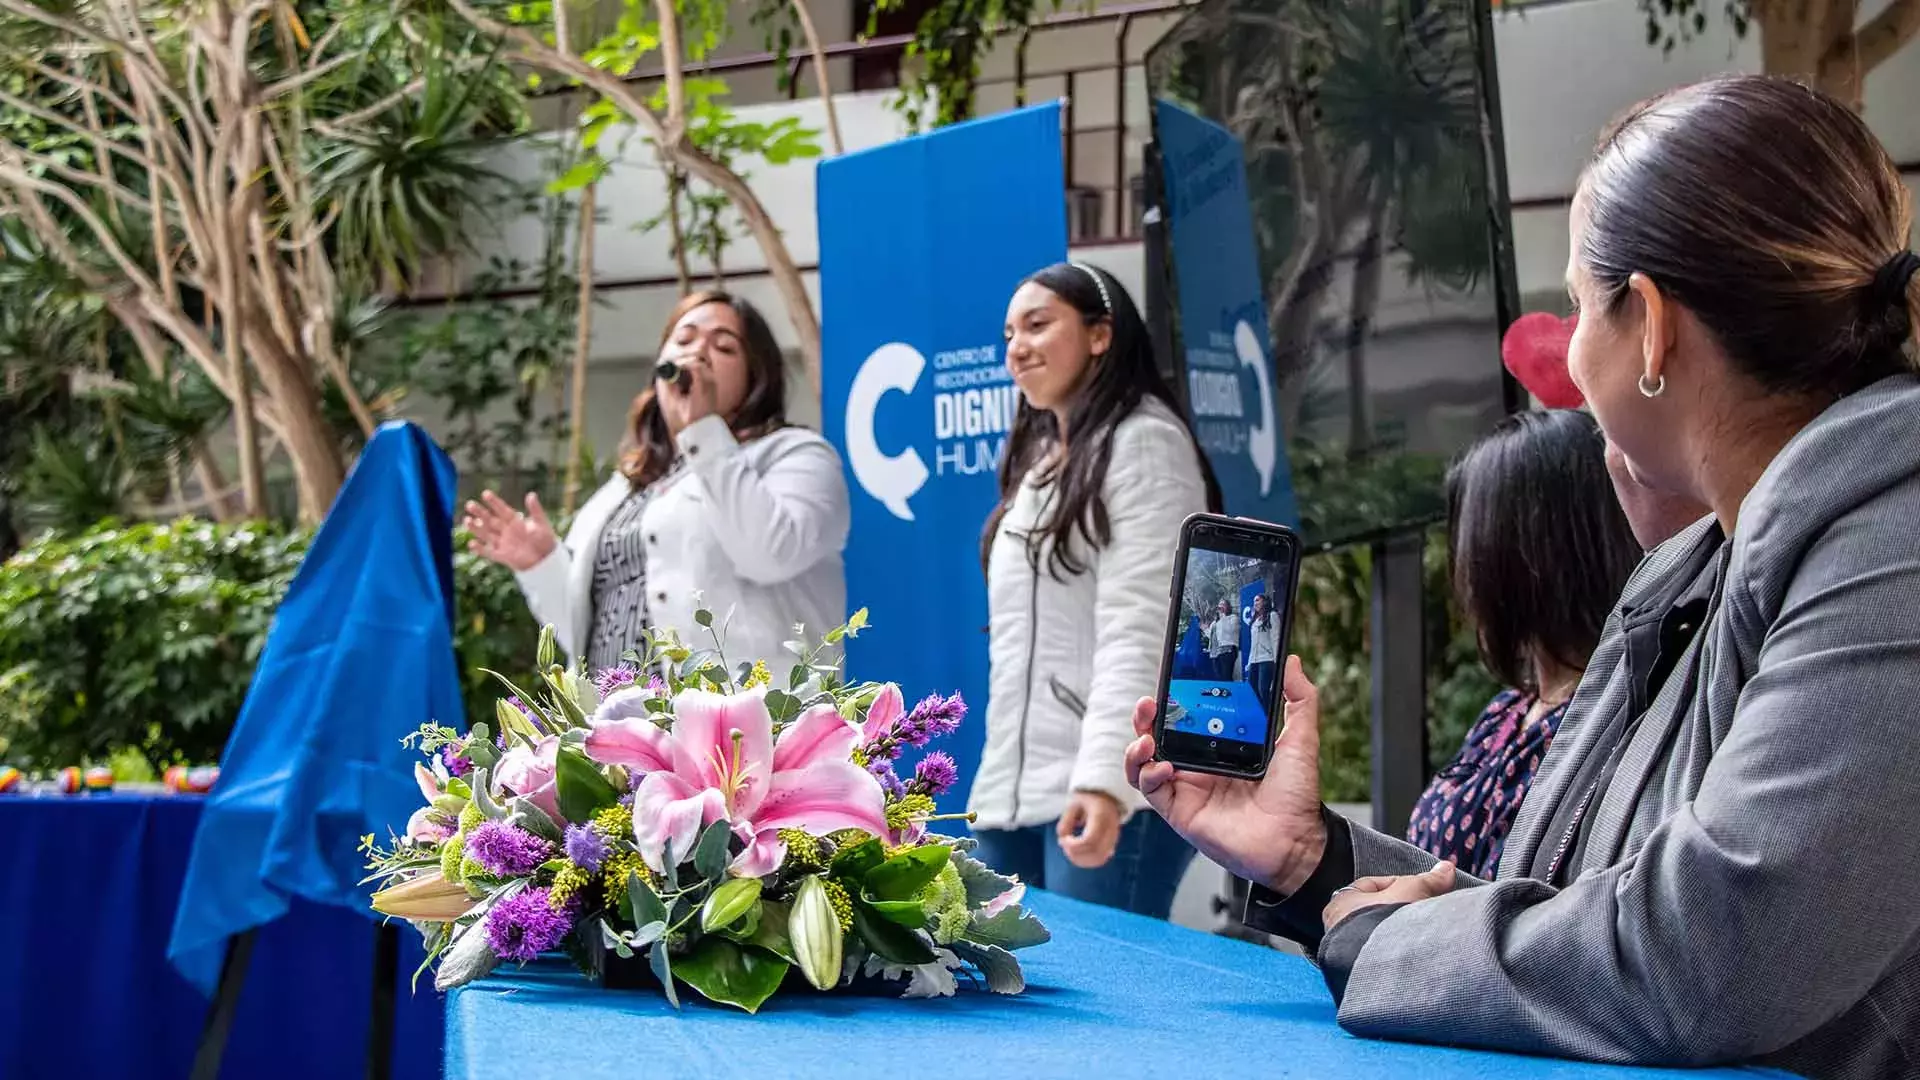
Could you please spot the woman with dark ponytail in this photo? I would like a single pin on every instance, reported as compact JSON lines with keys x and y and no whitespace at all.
{"x":1717,"y":861}
{"x":1098,"y":474}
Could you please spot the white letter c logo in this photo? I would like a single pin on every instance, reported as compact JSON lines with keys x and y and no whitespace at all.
{"x":892,"y":479}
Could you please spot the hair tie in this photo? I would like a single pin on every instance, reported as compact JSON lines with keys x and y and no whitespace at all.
{"x":1889,"y":289}
{"x":1106,"y":302}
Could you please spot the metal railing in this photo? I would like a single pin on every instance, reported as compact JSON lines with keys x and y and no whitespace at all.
{"x":1102,"y":212}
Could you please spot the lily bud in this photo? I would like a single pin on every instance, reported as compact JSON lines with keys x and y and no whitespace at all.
{"x":816,"y":935}
{"x":549,"y":650}
{"x":729,"y":903}
{"x":429,"y":897}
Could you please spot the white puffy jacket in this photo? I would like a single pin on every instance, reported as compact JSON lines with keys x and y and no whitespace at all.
{"x":756,"y":527}
{"x":1070,"y":658}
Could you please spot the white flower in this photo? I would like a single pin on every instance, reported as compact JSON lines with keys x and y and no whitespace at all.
{"x":929,"y":980}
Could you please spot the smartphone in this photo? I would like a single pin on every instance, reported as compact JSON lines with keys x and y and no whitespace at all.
{"x":1227,"y":629}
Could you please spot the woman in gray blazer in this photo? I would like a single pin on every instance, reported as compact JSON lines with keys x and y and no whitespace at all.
{"x":1718,"y":861}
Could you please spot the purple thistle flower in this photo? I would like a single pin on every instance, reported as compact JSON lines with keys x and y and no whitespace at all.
{"x":935,"y":774}
{"x":586,"y":847}
{"x":934,"y":717}
{"x":525,"y":925}
{"x":505,"y":850}
{"x":456,"y":765}
{"x":656,"y":684}
{"x":889,"y":780}
{"x":614,"y":678}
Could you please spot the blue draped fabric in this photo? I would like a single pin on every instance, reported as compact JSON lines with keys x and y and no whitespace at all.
{"x":1113,"y":995}
{"x":360,"y":655}
{"x":1190,"y":660}
{"x":86,"y":901}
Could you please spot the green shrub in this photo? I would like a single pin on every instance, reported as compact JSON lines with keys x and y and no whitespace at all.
{"x":142,"y":640}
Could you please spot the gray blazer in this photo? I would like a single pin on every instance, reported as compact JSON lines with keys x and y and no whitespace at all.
{"x":1750,"y":889}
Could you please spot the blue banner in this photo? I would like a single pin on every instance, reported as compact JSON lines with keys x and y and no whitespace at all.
{"x":1223,"y":318}
{"x":922,"y":243}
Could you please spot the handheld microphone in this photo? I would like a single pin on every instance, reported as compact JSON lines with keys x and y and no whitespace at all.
{"x":674,"y":374}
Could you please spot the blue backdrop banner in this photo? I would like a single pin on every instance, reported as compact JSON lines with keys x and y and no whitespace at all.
{"x":922,"y":243}
{"x":1223,"y":318}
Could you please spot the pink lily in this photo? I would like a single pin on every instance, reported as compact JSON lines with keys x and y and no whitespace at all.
{"x":427,"y":826}
{"x":719,"y":761}
{"x":884,"y":714}
{"x":530,"y":773}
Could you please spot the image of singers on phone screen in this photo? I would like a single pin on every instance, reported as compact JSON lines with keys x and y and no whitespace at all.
{"x":1223,"y":673}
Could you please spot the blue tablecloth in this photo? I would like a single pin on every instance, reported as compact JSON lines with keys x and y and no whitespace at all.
{"x":1112,"y":995}
{"x":88,"y":887}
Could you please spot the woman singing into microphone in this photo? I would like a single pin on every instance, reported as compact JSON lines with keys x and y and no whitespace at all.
{"x":715,"y":495}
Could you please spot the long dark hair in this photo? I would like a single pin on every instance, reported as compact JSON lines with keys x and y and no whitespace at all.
{"x":650,"y":452}
{"x":1539,"y":546}
{"x":1114,"y":388}
{"x":1769,"y":211}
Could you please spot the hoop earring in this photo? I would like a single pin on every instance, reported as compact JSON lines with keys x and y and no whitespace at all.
{"x":1659,"y":386}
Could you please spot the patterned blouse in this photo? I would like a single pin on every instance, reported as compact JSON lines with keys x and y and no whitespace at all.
{"x":1467,"y":809}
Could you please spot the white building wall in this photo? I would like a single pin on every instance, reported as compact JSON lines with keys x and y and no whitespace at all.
{"x":1565,"y":68}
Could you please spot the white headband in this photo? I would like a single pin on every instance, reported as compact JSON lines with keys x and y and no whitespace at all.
{"x":1106,"y":302}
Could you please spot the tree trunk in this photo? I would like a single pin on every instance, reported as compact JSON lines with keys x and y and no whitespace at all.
{"x":290,"y":382}
{"x":676,"y":184}
{"x":583,"y":339}
{"x":820,"y":74}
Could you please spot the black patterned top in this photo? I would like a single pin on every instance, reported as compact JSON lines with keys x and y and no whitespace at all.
{"x":619,"y":584}
{"x":1467,"y":809}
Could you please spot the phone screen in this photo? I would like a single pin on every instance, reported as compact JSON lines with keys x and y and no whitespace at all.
{"x":1232,"y":616}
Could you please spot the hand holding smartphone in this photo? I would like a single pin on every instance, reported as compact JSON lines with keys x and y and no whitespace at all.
{"x":1229,"y":619}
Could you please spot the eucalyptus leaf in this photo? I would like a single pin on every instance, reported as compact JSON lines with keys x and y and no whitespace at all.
{"x":704,"y":618}
{"x":889,"y":941}
{"x":648,"y":934}
{"x":1000,"y":967}
{"x":731,"y":973}
{"x":580,"y":789}
{"x":643,"y":904}
{"x":797,"y":678}
{"x":903,"y":876}
{"x":710,"y":853}
{"x":663,"y":970}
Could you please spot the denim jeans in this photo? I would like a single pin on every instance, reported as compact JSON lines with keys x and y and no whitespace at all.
{"x":1261,"y":676}
{"x":1142,"y":876}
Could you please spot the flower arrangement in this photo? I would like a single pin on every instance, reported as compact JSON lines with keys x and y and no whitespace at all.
{"x":694,"y":818}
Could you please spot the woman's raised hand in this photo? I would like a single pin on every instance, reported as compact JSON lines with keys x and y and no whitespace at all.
{"x":515,"y":540}
{"x":1267,"y":831}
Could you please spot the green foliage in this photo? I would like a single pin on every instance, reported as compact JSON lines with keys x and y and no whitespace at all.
{"x":948,"y":42}
{"x":1330,"y":635}
{"x":1671,"y":23}
{"x":407,"y":181}
{"x":142,"y":640}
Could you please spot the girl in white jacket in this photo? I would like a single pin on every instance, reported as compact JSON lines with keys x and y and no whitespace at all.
{"x":716,"y":496}
{"x":1097,"y":476}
